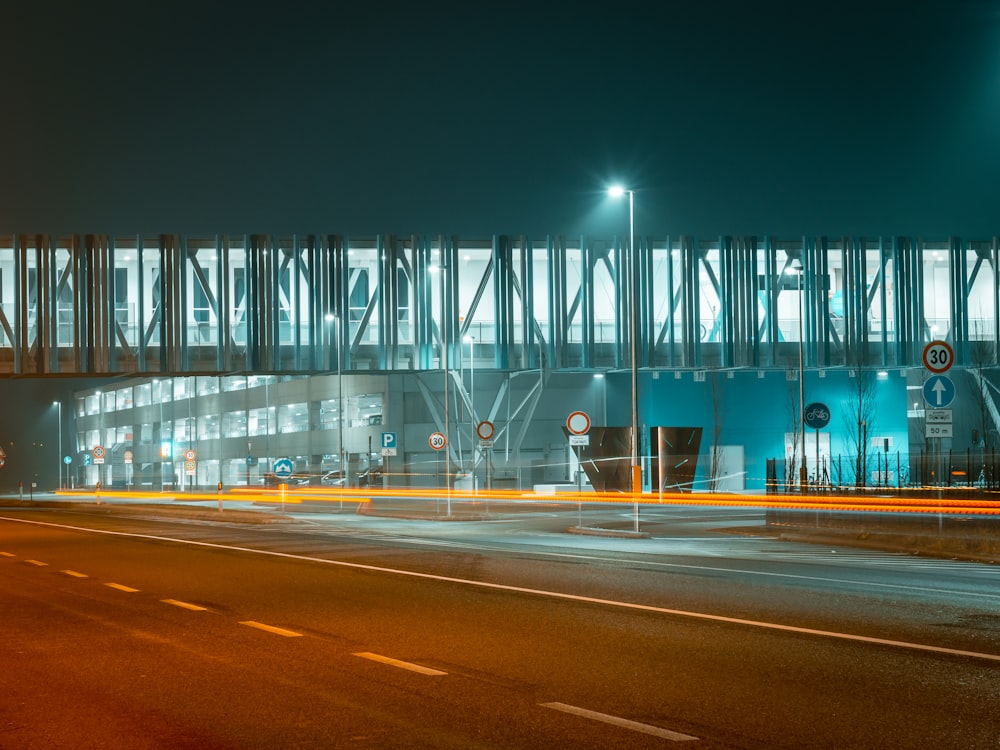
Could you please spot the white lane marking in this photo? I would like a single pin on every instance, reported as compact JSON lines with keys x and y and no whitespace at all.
{"x":184,"y":605}
{"x":617,"y":721}
{"x":39,"y":563}
{"x":7,"y":554}
{"x":539,"y":592}
{"x":401,"y":664}
{"x":122,"y":587}
{"x":74,"y":574}
{"x":780,"y":557}
{"x":271,"y":629}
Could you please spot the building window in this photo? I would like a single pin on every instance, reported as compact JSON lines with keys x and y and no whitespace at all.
{"x":234,"y":424}
{"x":294,"y":418}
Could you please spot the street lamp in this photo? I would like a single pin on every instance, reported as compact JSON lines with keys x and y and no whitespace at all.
{"x":340,"y":399}
{"x":58,"y":404}
{"x":617,"y":191}
{"x":471,"y":341}
{"x":799,"y":271}
{"x":442,"y":268}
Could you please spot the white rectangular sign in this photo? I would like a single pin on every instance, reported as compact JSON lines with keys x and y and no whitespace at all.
{"x":938,"y":416}
{"x":579,"y":439}
{"x":938,"y":431}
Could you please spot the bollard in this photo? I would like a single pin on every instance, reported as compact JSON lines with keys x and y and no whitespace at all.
{"x":220,"y":495}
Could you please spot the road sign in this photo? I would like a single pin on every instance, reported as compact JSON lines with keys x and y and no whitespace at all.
{"x":938,"y":430}
{"x":388,"y":443}
{"x":283,"y":468}
{"x":437,"y":440}
{"x":938,"y":416}
{"x":579,"y":439}
{"x":98,"y":453}
{"x":190,"y":454}
{"x":67,"y":460}
{"x":578,"y":423}
{"x":938,"y":356}
{"x":189,"y":467}
{"x":127,"y":455}
{"x":485,"y":430}
{"x":816,"y":415}
{"x":939,"y":391}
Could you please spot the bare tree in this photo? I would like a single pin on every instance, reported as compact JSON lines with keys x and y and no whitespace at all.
{"x":983,"y":359}
{"x":795,"y":425}
{"x":716,"y":394}
{"x":859,"y":410}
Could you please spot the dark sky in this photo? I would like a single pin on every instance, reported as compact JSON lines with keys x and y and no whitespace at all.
{"x":781,"y":118}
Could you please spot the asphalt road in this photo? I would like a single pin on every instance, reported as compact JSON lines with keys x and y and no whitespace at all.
{"x":331,"y":631}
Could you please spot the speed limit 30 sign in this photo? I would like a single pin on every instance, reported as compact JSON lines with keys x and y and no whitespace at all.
{"x":938,"y":356}
{"x":437,"y":440}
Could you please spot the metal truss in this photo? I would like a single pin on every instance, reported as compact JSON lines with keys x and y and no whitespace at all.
{"x":172,"y":304}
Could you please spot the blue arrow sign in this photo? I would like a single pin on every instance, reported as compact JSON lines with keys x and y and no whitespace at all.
{"x":939,"y":391}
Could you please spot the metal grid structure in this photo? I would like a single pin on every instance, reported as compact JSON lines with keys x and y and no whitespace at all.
{"x":171,"y":304}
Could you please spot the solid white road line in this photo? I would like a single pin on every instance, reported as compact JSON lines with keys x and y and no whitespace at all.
{"x":271,"y":629}
{"x":401,"y":664}
{"x":122,"y":587}
{"x":537,"y":592}
{"x":184,"y":605}
{"x":617,"y":721}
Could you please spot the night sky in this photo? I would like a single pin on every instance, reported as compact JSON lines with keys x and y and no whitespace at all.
{"x":780,"y":118}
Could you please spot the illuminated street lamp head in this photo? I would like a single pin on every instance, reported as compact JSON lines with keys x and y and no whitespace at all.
{"x":616,"y":191}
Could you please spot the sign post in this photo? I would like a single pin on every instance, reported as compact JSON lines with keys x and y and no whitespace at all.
{"x":817,"y":416}
{"x":939,"y":392}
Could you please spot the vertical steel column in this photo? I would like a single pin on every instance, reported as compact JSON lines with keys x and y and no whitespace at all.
{"x":556,"y":262}
{"x":588,"y":259}
{"x":503,"y":301}
{"x":671,"y":321}
{"x":958,"y":275}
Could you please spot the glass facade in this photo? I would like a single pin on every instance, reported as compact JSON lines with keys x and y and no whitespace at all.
{"x":322,"y":303}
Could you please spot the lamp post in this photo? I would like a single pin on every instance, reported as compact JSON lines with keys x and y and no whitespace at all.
{"x":58,"y":404}
{"x":441,"y":269}
{"x":471,"y":340}
{"x":617,"y":191}
{"x":799,"y":271}
{"x":340,"y":398}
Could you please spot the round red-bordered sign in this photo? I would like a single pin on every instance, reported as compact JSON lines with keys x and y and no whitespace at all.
{"x":938,"y":356}
{"x":98,"y":451}
{"x":578,"y":423}
{"x":437,"y":440}
{"x":485,"y":430}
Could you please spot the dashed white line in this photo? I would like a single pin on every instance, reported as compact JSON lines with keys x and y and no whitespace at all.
{"x":401,"y":664}
{"x":184,"y":605}
{"x":778,"y":627}
{"x":7,"y":554}
{"x":39,"y":563}
{"x":271,"y":629}
{"x":122,"y":587}
{"x":75,"y":574}
{"x":618,"y":721}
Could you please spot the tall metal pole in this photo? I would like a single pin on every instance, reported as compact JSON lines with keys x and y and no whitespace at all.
{"x":340,"y":405}
{"x":472,"y":410}
{"x":444,"y":346}
{"x":636,"y":467}
{"x":802,"y":411}
{"x":60,"y":475}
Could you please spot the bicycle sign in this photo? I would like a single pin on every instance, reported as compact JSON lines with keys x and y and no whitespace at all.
{"x":816,"y":415}
{"x":938,"y":356}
